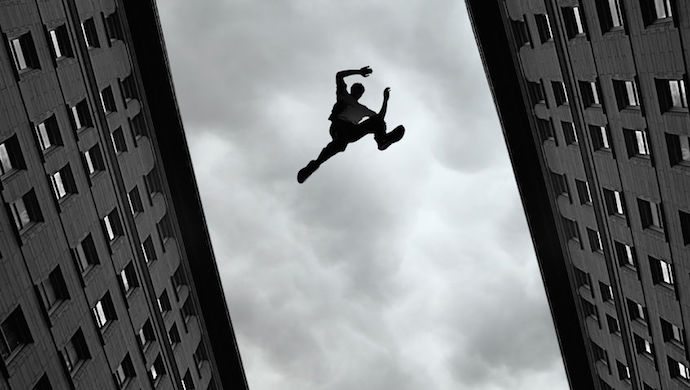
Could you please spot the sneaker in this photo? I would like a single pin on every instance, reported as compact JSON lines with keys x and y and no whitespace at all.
{"x":305,"y":172}
{"x":392,"y":137}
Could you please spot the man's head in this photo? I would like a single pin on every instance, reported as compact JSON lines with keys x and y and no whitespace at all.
{"x":356,"y":90}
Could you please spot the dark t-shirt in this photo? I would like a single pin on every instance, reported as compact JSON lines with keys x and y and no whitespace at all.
{"x":346,"y":108}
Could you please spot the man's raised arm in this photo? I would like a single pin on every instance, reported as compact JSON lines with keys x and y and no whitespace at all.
{"x":340,"y":76}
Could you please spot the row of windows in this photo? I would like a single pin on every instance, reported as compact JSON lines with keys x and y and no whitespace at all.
{"x":25,"y":56}
{"x":610,"y":19}
{"x":671,"y":93}
{"x":651,"y":213}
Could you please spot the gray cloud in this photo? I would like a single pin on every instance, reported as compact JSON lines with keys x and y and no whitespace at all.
{"x":386,"y":270}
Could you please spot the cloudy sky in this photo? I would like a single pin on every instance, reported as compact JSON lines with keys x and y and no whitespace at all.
{"x":405,"y":269}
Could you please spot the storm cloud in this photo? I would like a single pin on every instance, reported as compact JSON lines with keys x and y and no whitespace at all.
{"x":407,"y":269}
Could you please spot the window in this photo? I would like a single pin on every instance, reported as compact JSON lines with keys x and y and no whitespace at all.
{"x":637,"y":311}
{"x":590,"y":93}
{"x":153,"y":182}
{"x":573,"y":22}
{"x":108,"y":100}
{"x":129,"y":88}
{"x":521,"y":33}
{"x":200,"y":356}
{"x":43,"y":384}
{"x":623,"y":371}
{"x":48,"y":133}
{"x":188,"y":309}
{"x":149,"y":250}
{"x":76,"y":352}
{"x":179,"y":279}
{"x":570,"y":228}
{"x":187,"y":382}
{"x":589,"y":309}
{"x":135,"y":205}
{"x":569,"y":133}
{"x":671,"y":94}
{"x":545,"y":130}
{"x":88,"y":28}
{"x":626,"y":255}
{"x":606,"y":292}
{"x":653,"y":10}
{"x":59,"y":38}
{"x":626,"y":94}
{"x":128,"y":278}
{"x":164,"y":302}
{"x":24,"y":53}
{"x":583,"y":192}
{"x":124,"y":372}
{"x":662,"y":271}
{"x":81,"y":117}
{"x":650,"y":215}
{"x":678,"y":369}
{"x":559,"y":92}
{"x":53,"y":290}
{"x":672,"y":333}
{"x":156,"y":370}
{"x":582,"y":278}
{"x":560,"y":184}
{"x":138,"y":125}
{"x":535,"y":91}
{"x":685,"y":226}
{"x":610,"y":14}
{"x":636,"y":142}
{"x":165,"y":229}
{"x":63,"y":183}
{"x":14,"y":334}
{"x":145,"y":335}
{"x":544,"y":27}
{"x":174,"y":335}
{"x":643,"y":346}
{"x":85,"y":254}
{"x":118,"y":139}
{"x":113,"y":28}
{"x":600,"y":137}
{"x":25,"y":211}
{"x":10,"y":156}
{"x":104,"y":311}
{"x":599,"y":353}
{"x":678,"y":149}
{"x":614,"y":327}
{"x":594,"y":240}
{"x":94,"y":160}
{"x":615,"y":204}
{"x":112,"y":225}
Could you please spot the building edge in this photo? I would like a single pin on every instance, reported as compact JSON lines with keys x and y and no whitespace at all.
{"x":497,"y":59}
{"x":150,"y":57}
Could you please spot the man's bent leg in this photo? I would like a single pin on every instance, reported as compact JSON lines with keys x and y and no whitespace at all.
{"x":377,"y":126}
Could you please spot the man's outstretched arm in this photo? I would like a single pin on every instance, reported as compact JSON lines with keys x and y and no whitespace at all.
{"x":340,"y":76}
{"x":384,"y":106}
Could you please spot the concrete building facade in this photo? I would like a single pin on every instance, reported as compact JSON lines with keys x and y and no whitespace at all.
{"x":107,"y":275}
{"x":592,"y":99}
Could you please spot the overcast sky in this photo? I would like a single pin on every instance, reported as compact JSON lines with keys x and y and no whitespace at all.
{"x":405,"y":269}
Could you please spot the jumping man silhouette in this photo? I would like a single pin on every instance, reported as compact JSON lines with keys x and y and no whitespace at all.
{"x":347,"y":125}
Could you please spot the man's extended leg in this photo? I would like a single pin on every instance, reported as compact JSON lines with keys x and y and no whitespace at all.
{"x":339,"y":133}
{"x":329,"y":151}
